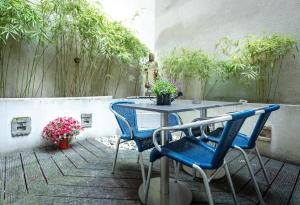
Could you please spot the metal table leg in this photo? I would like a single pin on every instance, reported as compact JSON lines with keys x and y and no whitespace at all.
{"x":170,"y":192}
{"x":203,"y":113}
{"x":164,"y":163}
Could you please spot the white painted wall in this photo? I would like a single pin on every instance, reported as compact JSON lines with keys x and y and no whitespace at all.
{"x":43,"y":110}
{"x":201,"y":23}
{"x":138,"y":15}
{"x":285,"y":122}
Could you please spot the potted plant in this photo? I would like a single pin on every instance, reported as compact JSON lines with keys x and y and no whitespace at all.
{"x":164,"y":90}
{"x":61,"y":131}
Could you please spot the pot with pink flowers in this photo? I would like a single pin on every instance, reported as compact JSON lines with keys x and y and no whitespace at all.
{"x":61,"y":131}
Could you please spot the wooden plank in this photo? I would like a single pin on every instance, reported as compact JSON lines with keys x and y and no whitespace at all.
{"x":123,"y":164}
{"x":97,"y":182}
{"x":282,"y":187}
{"x":95,"y":150}
{"x":238,"y":164}
{"x":218,"y":197}
{"x":54,"y":176}
{"x":242,"y":177}
{"x":89,"y":192}
{"x":99,"y":145}
{"x":272,"y":167}
{"x":126,"y":154}
{"x":48,"y":166}
{"x":83,"y":159}
{"x":49,"y":200}
{"x":103,"y":161}
{"x":74,"y":158}
{"x":34,"y":175}
{"x":220,"y":191}
{"x":188,"y":178}
{"x":2,"y":177}
{"x":86,"y":155}
{"x":111,"y":151}
{"x":232,"y":154}
{"x":66,"y":163}
{"x":68,"y":167}
{"x":92,"y":182}
{"x":15,"y":181}
{"x":295,"y":198}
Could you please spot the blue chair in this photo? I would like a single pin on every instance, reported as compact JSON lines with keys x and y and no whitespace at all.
{"x":243,"y":142}
{"x":127,"y":121}
{"x":197,"y":154}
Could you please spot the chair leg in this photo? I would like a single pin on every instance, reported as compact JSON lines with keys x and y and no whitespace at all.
{"x":178,"y":170}
{"x":194,"y":174}
{"x":138,"y":159}
{"x":146,"y":190}
{"x":261,"y":200}
{"x":206,"y":184}
{"x":175,"y":170}
{"x":116,"y":155}
{"x":142,"y":168}
{"x":230,"y":183}
{"x":262,"y":166}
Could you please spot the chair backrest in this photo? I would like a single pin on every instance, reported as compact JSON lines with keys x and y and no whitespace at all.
{"x":261,"y":121}
{"x":127,"y":113}
{"x":174,"y":119}
{"x":230,"y":131}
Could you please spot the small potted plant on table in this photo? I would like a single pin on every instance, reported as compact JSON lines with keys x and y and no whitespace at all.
{"x":61,"y":131}
{"x":164,"y":91}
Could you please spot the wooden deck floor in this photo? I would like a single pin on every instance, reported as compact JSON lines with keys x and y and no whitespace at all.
{"x":81,"y":175}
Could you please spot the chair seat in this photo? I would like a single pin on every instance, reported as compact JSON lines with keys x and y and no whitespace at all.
{"x":189,"y":151}
{"x":139,"y":134}
{"x":241,"y":139}
{"x":143,"y":139}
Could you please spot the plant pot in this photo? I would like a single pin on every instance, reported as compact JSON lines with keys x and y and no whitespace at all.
{"x":164,"y":99}
{"x":64,"y":144}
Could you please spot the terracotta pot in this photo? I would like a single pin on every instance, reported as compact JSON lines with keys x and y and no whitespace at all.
{"x":64,"y":144}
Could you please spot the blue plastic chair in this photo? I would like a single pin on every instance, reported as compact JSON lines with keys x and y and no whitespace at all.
{"x":244,"y":142}
{"x":197,"y":154}
{"x":127,"y":121}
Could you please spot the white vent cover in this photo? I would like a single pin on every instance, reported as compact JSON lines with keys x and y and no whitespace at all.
{"x":20,"y":126}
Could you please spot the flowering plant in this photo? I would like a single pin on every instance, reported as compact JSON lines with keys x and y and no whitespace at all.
{"x":61,"y":128}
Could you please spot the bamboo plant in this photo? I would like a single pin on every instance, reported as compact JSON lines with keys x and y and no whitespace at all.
{"x":196,"y":64}
{"x":266,"y":55}
{"x":86,"y":44}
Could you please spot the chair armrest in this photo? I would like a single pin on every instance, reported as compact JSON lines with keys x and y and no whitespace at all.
{"x":202,"y":127}
{"x":187,"y":126}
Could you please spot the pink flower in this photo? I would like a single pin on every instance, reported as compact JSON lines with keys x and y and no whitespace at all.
{"x":61,"y":128}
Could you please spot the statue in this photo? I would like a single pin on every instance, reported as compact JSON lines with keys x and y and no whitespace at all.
{"x":151,"y":74}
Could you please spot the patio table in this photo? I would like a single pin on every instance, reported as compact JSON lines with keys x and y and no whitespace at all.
{"x":163,"y":190}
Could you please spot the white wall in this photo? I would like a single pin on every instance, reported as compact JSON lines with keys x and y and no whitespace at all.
{"x":125,"y":11}
{"x":285,"y":122}
{"x":43,"y":110}
{"x":201,"y":23}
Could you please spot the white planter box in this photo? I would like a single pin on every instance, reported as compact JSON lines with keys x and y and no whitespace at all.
{"x":43,"y":110}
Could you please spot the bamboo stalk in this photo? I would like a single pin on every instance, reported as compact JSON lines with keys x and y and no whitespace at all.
{"x":119,"y":80}
{"x":6,"y":72}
